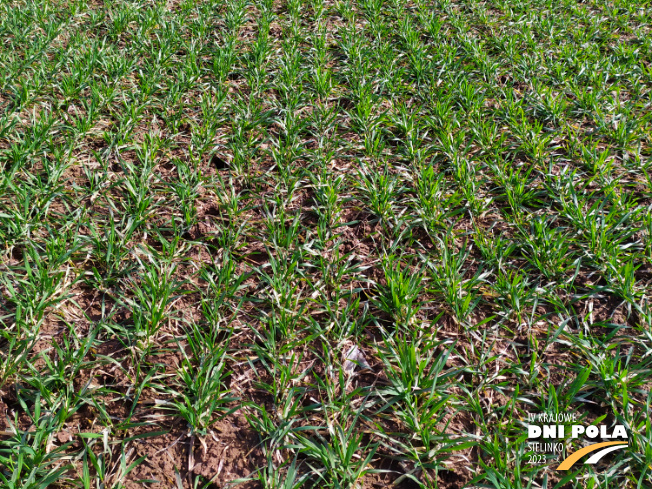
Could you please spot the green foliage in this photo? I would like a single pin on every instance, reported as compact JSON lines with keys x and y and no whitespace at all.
{"x":207,"y":206}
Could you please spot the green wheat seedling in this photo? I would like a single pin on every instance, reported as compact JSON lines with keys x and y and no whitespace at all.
{"x":399,"y":297}
{"x":548,"y":249}
{"x":340,"y":456}
{"x":110,"y":252}
{"x":152,"y":297}
{"x":450,"y":281}
{"x":108,"y":470}
{"x":14,"y":353}
{"x":35,"y":287}
{"x":26,"y":458}
{"x":516,"y":296}
{"x":224,"y":288}
{"x":273,"y":477}
{"x":418,"y":396}
{"x":55,"y":382}
{"x":380,"y":193}
{"x":203,"y":391}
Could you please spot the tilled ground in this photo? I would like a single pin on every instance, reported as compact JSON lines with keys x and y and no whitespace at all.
{"x":312,"y":244}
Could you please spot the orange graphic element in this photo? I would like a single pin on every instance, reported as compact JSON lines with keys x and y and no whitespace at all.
{"x":574,"y":457}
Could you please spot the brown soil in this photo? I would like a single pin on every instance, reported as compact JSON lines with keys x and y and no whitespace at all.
{"x":229,"y":452}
